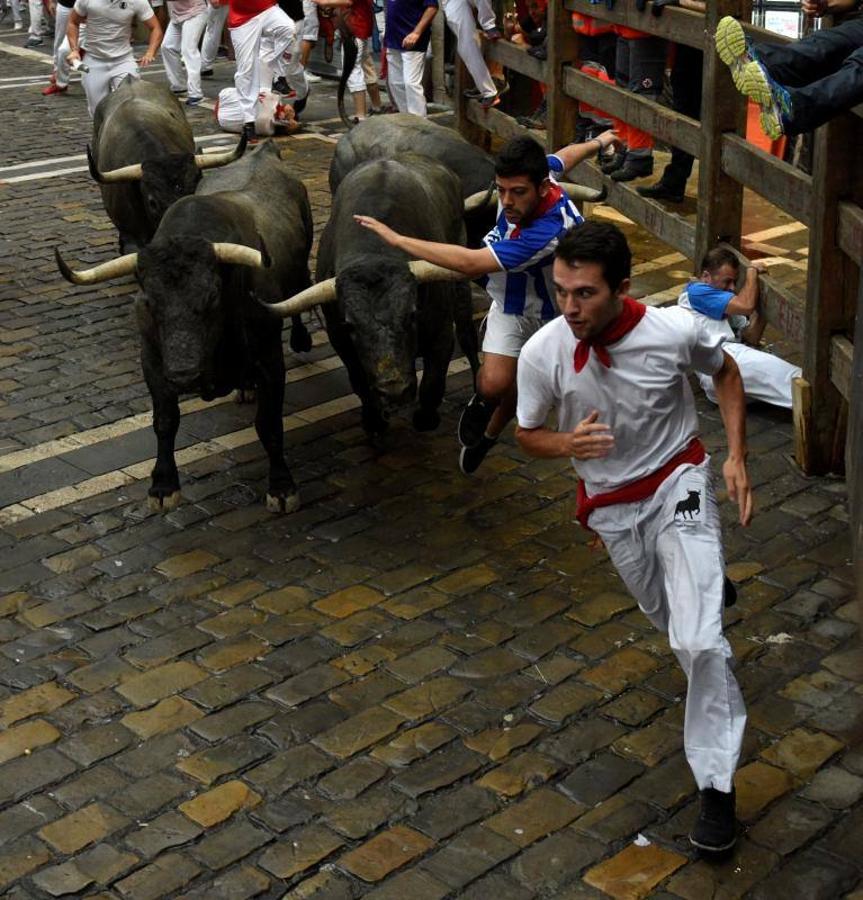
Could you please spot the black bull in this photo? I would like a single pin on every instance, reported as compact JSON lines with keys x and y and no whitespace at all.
{"x":382,"y":319}
{"x":217,"y":257}
{"x":143,"y":156}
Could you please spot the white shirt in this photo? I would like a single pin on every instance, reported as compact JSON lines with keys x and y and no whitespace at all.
{"x":644,"y":397}
{"x":109,"y":25}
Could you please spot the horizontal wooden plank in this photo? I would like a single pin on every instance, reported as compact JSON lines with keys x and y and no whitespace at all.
{"x":660,"y":121}
{"x":841,"y":365}
{"x":516,"y":58}
{"x":679,"y":25}
{"x":851,"y":231}
{"x":669,"y":227}
{"x":776,"y":181}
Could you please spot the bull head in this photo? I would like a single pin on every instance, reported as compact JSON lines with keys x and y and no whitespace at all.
{"x":575,"y":192}
{"x":135,"y":172}
{"x":325,"y":291}
{"x":233,"y":254}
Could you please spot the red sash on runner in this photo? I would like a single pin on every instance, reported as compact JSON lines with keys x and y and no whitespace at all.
{"x":693,"y":453}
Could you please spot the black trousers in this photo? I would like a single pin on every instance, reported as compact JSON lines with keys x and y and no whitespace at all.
{"x":686,"y":76}
{"x":823,"y":73}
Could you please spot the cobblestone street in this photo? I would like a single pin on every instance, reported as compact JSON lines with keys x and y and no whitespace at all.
{"x":418,"y":686}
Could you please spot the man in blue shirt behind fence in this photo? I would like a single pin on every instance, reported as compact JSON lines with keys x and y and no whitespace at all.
{"x":407,"y":34}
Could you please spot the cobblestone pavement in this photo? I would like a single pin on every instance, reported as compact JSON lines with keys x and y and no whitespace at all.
{"x":419,"y":685}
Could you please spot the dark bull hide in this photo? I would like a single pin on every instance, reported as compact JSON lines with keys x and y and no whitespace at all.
{"x":380,"y":318}
{"x":217,"y":257}
{"x":143,"y":156}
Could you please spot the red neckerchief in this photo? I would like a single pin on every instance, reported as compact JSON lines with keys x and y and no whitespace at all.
{"x":630,"y":315}
{"x":549,"y":201}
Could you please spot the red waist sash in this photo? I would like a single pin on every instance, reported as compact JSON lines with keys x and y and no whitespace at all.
{"x":641,"y":489}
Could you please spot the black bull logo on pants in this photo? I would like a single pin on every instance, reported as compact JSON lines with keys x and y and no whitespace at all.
{"x":691,"y":505}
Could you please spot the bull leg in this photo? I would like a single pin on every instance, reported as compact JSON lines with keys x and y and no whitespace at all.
{"x":301,"y":340}
{"x":282,"y":491}
{"x":435,"y":363}
{"x":164,"y":493}
{"x":465,"y":328}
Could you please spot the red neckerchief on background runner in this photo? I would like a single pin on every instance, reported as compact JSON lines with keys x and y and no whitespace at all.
{"x":692,"y":454}
{"x":630,"y":315}
{"x":550,"y":200}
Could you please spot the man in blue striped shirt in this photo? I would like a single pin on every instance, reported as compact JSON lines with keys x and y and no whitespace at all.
{"x":514,"y":266}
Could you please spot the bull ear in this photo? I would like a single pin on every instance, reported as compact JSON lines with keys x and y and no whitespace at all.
{"x":95,"y":174}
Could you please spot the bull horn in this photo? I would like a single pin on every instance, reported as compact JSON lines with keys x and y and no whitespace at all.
{"x":425,"y":271}
{"x":573,"y":191}
{"x":114,"y":176}
{"x":480,"y":199}
{"x":114,"y":268}
{"x":214,"y":160}
{"x":322,"y":292}
{"x":241,"y":255}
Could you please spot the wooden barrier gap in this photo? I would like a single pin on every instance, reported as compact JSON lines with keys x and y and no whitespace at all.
{"x":780,"y":184}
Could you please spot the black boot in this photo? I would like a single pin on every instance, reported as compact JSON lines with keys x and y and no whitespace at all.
{"x":662,"y":191}
{"x":612,"y":163}
{"x":280,"y":86}
{"x":716,"y":828}
{"x":633,"y":167}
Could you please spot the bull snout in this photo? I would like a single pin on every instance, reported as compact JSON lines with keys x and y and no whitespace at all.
{"x":184,"y":379}
{"x":393,"y":387}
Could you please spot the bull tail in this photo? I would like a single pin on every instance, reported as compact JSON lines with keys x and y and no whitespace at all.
{"x":349,"y":59}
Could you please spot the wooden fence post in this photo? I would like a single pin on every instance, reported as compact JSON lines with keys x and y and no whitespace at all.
{"x":831,"y":293}
{"x":720,"y":197}
{"x":854,"y":451}
{"x":562,"y":49}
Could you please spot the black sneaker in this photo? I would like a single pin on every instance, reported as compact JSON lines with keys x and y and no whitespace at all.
{"x":661,"y":191}
{"x":729,"y":593}
{"x":280,"y":86}
{"x":639,"y":167}
{"x":249,"y":133}
{"x":206,"y":73}
{"x":300,"y":105}
{"x":474,"y":419}
{"x":470,"y":458}
{"x":612,"y":162}
{"x":716,"y":828}
{"x":473,"y":94}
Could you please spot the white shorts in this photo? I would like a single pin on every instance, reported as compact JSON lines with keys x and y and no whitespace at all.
{"x":506,"y":334}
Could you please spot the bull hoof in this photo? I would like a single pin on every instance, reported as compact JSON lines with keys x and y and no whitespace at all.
{"x":426,"y":420}
{"x":283,"y":503}
{"x":301,"y":340}
{"x":245,"y":395}
{"x":165,"y":503}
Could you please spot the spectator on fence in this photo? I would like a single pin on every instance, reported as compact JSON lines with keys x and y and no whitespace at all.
{"x":737,"y":319}
{"x":597,"y":51}
{"x":461,"y":16}
{"x":407,"y":34}
{"x":530,"y":30}
{"x":805,"y":83}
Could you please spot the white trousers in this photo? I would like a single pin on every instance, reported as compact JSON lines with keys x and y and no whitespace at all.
{"x":37,"y":20}
{"x":765,"y":377}
{"x":460,"y":16}
{"x":61,"y":67}
{"x":668,"y":551}
{"x":183,"y":38}
{"x":216,"y":18}
{"x":105,"y":76}
{"x":16,"y":10}
{"x":363,"y":72}
{"x":259,"y":45}
{"x":405,"y":69}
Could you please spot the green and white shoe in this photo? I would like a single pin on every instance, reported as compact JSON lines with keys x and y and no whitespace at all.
{"x":732,"y":48}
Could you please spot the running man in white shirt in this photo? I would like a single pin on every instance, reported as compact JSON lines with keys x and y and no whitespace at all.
{"x":737,"y":318}
{"x":515,"y":268}
{"x":109,"y":43}
{"x":615,"y":371}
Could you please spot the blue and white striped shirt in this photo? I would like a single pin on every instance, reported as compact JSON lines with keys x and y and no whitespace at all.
{"x":524,"y":286}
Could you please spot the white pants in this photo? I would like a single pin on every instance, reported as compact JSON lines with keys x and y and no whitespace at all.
{"x":61,"y":67}
{"x":259,"y":45}
{"x":310,"y":27}
{"x":765,"y":377}
{"x":105,"y":76}
{"x":363,"y":72}
{"x":668,"y":551}
{"x":16,"y":10}
{"x":405,"y":69}
{"x":462,"y":22}
{"x":183,"y":38}
{"x":216,"y":18}
{"x":37,"y":20}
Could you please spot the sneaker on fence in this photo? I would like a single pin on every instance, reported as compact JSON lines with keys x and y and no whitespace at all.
{"x":774,"y":100}
{"x":473,"y":94}
{"x":492,"y":34}
{"x":489,"y":101}
{"x":732,"y":47}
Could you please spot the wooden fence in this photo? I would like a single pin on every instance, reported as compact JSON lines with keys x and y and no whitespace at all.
{"x":828,"y":425}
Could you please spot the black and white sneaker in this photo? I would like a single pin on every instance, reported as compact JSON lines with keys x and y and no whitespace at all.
{"x":474,"y":419}
{"x":470,"y":458}
{"x":280,"y":86}
{"x":716,"y":828}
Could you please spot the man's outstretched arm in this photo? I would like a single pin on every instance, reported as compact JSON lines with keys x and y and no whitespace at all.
{"x":732,"y":405}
